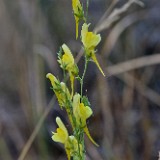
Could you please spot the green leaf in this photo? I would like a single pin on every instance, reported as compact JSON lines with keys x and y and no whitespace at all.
{"x":79,"y":78}
{"x":60,"y":53}
{"x":85,"y":101}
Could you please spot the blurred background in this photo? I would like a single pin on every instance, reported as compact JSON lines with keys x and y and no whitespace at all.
{"x":126,"y":103}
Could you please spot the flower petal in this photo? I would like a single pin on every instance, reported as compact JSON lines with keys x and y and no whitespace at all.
{"x":67,"y":58}
{"x":84,"y":33}
{"x":53,"y":79}
{"x":85,"y":111}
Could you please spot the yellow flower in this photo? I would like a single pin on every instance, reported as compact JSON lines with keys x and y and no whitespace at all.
{"x":61,"y":135}
{"x":67,"y":59}
{"x":67,"y":62}
{"x":90,"y":40}
{"x":60,"y":89}
{"x":82,"y":113}
{"x":53,"y":80}
{"x":78,"y":13}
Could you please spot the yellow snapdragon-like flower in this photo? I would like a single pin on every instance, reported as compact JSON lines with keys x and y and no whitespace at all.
{"x":78,"y":13}
{"x":61,"y":135}
{"x":90,"y":40}
{"x":67,"y":62}
{"x":60,"y":89}
{"x":82,"y":113}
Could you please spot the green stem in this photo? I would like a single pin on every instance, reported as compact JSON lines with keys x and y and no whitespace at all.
{"x":69,"y":108}
{"x":81,"y":136}
{"x":84,"y":72}
{"x":83,"y":147}
{"x":87,"y":6}
{"x":64,"y":76}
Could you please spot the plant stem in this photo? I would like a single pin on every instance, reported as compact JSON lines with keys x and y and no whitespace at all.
{"x":64,"y":76}
{"x":87,"y":6}
{"x":84,"y":72}
{"x":82,"y":80}
{"x":83,"y":147}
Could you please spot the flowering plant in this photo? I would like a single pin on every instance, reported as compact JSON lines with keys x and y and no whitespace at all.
{"x":76,"y":104}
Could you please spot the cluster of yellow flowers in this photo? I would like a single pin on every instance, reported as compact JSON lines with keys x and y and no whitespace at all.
{"x":76,"y":105}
